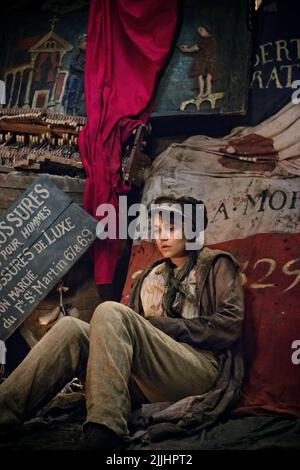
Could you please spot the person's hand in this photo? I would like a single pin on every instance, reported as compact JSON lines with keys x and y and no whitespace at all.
{"x":184,"y":48}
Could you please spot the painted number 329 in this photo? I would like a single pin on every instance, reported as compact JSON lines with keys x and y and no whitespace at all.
{"x":289,"y":269}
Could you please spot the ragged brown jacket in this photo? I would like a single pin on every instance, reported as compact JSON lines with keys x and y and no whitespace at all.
{"x":218,"y":328}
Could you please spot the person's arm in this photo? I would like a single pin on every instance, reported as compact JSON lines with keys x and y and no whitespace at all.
{"x":222,"y":328}
{"x":184,"y":48}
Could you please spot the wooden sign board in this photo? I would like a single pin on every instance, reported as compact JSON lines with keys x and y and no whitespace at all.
{"x":42,"y":235}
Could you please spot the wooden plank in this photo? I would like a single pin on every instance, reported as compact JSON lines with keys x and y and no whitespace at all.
{"x":61,"y":161}
{"x":6,"y":169}
{"x":25,"y":165}
{"x":37,"y":128}
{"x":13,"y":185}
{"x":32,"y":262}
{"x":24,"y":128}
{"x":9,"y":197}
{"x":21,"y":182}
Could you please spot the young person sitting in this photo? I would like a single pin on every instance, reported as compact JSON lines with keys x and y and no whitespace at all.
{"x":176,"y":339}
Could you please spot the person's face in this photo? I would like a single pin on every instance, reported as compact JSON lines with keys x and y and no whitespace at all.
{"x":170,"y":240}
{"x":203,"y":32}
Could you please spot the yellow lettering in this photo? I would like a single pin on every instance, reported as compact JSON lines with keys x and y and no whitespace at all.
{"x":274,"y":76}
{"x":281,"y":46}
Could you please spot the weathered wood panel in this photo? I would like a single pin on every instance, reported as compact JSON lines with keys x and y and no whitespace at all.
{"x":13,"y":184}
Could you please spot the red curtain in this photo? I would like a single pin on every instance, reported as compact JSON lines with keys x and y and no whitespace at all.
{"x":127,"y":45}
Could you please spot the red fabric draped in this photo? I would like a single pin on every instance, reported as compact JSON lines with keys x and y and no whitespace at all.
{"x":127,"y":45}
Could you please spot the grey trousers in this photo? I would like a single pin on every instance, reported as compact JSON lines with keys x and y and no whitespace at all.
{"x":118,"y":347}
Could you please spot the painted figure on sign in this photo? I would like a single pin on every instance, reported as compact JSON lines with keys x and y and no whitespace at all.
{"x":75,"y":84}
{"x":204,"y":66}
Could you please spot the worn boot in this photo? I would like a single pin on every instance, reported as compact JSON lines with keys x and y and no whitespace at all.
{"x":99,"y":437}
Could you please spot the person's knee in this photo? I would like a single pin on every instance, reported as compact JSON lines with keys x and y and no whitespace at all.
{"x":68,"y":328}
{"x":109,"y":311}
